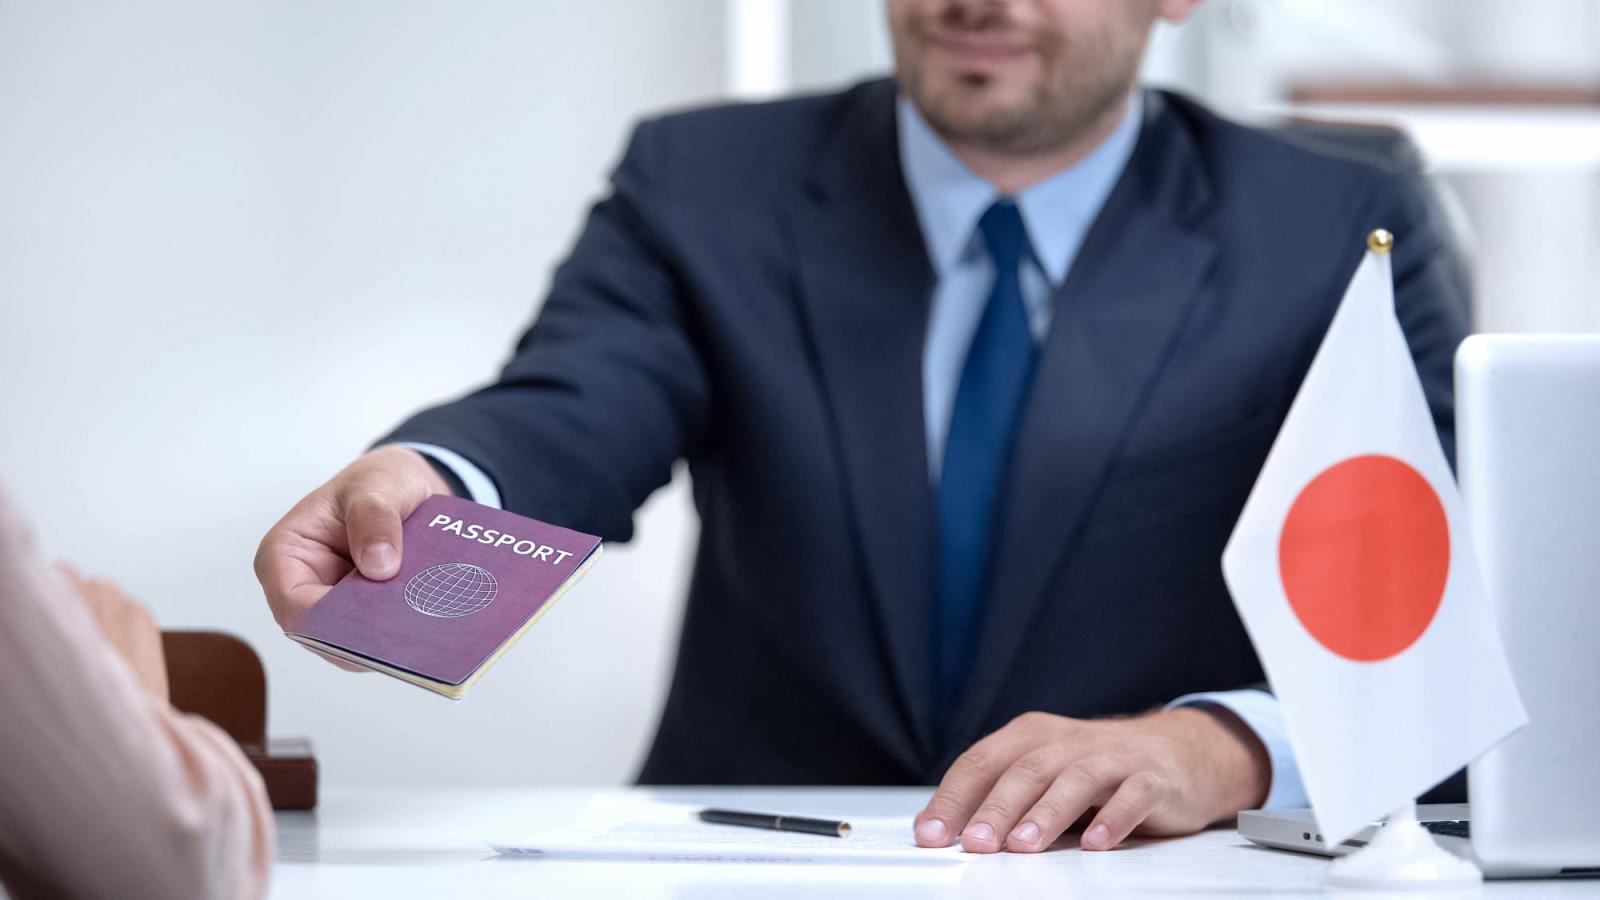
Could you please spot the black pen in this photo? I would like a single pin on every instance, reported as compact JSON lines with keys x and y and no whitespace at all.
{"x":775,"y":822}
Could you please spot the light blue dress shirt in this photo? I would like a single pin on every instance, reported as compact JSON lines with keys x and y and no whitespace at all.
{"x":949,"y":200}
{"x":1057,"y":212}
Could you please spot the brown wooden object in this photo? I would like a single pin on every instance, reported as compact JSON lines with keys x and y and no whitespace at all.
{"x":219,"y":677}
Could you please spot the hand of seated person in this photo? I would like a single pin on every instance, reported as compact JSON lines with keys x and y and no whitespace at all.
{"x":106,"y":790}
{"x":127,"y":626}
{"x":1164,"y":773}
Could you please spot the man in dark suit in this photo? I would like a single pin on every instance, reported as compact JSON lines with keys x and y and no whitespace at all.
{"x":973,"y":370}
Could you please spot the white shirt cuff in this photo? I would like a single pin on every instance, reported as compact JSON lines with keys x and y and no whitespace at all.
{"x":1260,"y":712}
{"x":480,"y":487}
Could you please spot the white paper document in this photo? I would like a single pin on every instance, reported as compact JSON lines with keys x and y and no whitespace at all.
{"x":615,"y":827}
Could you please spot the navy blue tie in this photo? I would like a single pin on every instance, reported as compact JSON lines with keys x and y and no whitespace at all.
{"x":989,"y":403}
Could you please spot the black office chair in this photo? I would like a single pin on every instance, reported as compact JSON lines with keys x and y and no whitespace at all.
{"x":1393,"y":149}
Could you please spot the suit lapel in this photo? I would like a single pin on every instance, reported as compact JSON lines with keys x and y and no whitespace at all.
{"x":865,"y":282}
{"x":1123,"y":303}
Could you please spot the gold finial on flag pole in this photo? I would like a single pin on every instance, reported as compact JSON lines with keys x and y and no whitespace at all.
{"x":1380,"y":241}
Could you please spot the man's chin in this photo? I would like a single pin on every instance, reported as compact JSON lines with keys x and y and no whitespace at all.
{"x":975,"y":119}
{"x":976,"y":97}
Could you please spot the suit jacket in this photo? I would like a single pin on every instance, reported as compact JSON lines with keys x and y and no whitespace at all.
{"x":752,"y":296}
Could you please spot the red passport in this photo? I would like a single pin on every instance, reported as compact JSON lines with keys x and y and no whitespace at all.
{"x":472,"y":581}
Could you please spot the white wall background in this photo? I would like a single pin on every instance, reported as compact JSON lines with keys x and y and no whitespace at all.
{"x":1527,"y":179}
{"x":239,"y":240}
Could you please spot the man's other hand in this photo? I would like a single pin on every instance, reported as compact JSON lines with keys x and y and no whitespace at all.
{"x":352,"y":521}
{"x":1170,"y":772}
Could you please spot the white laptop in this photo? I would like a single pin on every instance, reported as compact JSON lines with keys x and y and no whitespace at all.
{"x":1528,"y":459}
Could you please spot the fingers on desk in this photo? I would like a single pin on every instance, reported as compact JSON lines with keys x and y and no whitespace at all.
{"x":968,"y":781}
{"x":1022,"y":787}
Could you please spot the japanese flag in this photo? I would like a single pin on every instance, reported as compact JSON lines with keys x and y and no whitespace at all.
{"x":1353,"y":570}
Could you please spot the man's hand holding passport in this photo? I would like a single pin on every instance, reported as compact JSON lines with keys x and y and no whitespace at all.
{"x":471,"y":581}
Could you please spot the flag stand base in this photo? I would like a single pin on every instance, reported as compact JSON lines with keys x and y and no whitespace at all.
{"x":1402,"y":856}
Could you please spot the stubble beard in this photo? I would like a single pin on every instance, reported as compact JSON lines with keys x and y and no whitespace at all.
{"x":1081,"y":83}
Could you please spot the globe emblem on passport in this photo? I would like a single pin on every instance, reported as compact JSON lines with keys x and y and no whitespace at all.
{"x":451,"y":590}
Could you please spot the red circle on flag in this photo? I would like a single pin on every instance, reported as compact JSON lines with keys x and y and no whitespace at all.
{"x":1364,"y":556}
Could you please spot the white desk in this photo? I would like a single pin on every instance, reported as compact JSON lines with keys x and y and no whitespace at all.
{"x":398,"y":844}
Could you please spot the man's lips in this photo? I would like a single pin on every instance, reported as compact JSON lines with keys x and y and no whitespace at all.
{"x":978,"y":48}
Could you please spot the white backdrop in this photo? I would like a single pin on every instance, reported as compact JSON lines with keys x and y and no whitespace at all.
{"x":238,"y":241}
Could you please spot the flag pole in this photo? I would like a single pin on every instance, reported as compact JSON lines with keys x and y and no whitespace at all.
{"x":1380,"y":241}
{"x":1402,"y":855}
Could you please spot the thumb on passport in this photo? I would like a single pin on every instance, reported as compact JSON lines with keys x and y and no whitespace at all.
{"x":372,"y":523}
